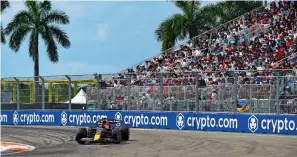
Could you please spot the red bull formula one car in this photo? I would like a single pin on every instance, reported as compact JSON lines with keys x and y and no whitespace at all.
{"x":103,"y":132}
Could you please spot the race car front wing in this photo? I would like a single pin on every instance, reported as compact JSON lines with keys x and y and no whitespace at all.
{"x":98,"y":140}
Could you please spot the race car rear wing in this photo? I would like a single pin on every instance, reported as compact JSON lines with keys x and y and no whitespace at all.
{"x":112,"y":121}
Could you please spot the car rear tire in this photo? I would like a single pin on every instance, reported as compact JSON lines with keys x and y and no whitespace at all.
{"x":81,"y":133}
{"x":125,"y":133}
{"x":119,"y":138}
{"x":117,"y":135}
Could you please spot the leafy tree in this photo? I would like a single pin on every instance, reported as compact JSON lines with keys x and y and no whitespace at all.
{"x":4,"y":4}
{"x":228,"y":10}
{"x":195,"y":20}
{"x":38,"y":21}
{"x":179,"y":26}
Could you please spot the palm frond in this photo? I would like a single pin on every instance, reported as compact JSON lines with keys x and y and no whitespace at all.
{"x":164,"y":26}
{"x":165,"y":30}
{"x":32,"y":6}
{"x":188,"y":7}
{"x":185,"y":5}
{"x":172,"y":29}
{"x":17,"y":37}
{"x":51,"y":47}
{"x":3,"y":41}
{"x":208,"y":17}
{"x":55,"y":16}
{"x":60,"y":35}
{"x":23,"y":18}
{"x":181,"y":4}
{"x":4,"y":4}
{"x":233,"y":9}
{"x":180,"y":24}
{"x":45,"y":5}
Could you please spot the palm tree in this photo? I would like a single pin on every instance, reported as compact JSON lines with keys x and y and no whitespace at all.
{"x":4,"y":4}
{"x":38,"y":21}
{"x":179,"y":26}
{"x":195,"y":20}
{"x":167,"y":33}
{"x":229,"y":10}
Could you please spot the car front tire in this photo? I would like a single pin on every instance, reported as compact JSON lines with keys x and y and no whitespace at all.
{"x":81,"y":133}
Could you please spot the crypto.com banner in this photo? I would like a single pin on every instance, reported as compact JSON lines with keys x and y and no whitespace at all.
{"x":273,"y":124}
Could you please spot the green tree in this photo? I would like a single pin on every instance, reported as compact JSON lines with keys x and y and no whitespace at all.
{"x":179,"y":26}
{"x":38,"y":21}
{"x":4,"y":4}
{"x":228,"y":10}
{"x":195,"y":20}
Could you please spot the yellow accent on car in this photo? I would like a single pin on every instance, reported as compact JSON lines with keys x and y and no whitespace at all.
{"x":97,"y":137}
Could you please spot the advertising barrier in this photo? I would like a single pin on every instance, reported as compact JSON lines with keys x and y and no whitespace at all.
{"x":250,"y":123}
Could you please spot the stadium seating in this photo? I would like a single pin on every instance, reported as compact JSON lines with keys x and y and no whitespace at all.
{"x":261,"y":40}
{"x":256,"y":46}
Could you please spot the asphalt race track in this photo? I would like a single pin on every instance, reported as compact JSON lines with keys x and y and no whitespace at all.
{"x":58,"y":141}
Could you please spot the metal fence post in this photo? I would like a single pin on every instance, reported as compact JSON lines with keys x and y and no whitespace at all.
{"x":197,"y":92}
{"x":161,"y":91}
{"x":270,"y":97}
{"x":43,"y":93}
{"x":277,"y":96}
{"x":129,"y":92}
{"x":235,"y":93}
{"x":250,"y":95}
{"x":98,"y":106}
{"x":185,"y":98}
{"x":18,"y":93}
{"x":69,"y":91}
{"x":188,"y":105}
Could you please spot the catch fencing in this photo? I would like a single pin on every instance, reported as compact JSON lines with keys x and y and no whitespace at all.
{"x":187,"y":92}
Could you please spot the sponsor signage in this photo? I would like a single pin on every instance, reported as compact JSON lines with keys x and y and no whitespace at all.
{"x":250,"y":123}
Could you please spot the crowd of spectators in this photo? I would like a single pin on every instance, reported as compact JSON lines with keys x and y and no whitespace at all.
{"x":252,"y":49}
{"x":260,"y":41}
{"x":258,"y":46}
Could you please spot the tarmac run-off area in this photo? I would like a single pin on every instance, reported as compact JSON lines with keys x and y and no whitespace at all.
{"x":41,"y":141}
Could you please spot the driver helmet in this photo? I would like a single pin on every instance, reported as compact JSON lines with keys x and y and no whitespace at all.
{"x":105,"y":123}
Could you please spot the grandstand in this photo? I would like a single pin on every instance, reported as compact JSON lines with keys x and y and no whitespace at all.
{"x":251,"y":58}
{"x":257,"y":47}
{"x":256,"y":39}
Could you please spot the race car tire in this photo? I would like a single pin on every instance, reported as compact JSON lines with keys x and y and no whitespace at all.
{"x":116,"y":133}
{"x":125,"y":133}
{"x":81,"y":133}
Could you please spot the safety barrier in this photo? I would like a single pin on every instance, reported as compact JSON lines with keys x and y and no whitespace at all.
{"x":250,"y":123}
